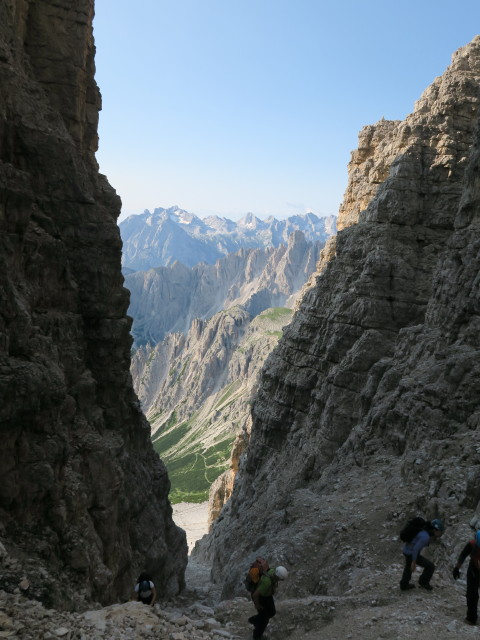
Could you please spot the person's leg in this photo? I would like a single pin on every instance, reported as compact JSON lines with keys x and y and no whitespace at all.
{"x":260,"y":621}
{"x":270,"y":607}
{"x":473,"y":582}
{"x":428,"y":569}
{"x":407,"y":573}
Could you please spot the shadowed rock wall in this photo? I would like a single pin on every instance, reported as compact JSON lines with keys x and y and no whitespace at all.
{"x":368,"y":408}
{"x":80,"y":484}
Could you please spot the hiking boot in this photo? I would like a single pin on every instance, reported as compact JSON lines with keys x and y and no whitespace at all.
{"x":425,"y":585}
{"x":467,"y":621}
{"x":408,"y":587}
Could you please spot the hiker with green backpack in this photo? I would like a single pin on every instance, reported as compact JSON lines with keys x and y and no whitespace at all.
{"x":262,"y":582}
{"x":417,"y":535}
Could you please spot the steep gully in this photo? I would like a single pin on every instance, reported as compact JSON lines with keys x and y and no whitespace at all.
{"x":367,"y":409}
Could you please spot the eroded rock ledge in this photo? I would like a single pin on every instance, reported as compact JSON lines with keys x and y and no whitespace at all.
{"x":81,"y":489}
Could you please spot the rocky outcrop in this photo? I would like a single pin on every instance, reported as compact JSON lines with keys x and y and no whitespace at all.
{"x":178,"y":620}
{"x":222,"y":488}
{"x":369,"y":167}
{"x":168,"y":299}
{"x":81,"y":490}
{"x":166,"y":236}
{"x":368,"y":407}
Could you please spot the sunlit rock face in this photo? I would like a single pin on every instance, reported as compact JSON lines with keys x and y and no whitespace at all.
{"x":81,"y":489}
{"x":169,"y":299}
{"x":369,"y":403}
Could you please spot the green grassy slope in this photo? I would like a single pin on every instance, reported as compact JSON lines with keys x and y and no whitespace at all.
{"x":196,"y":448}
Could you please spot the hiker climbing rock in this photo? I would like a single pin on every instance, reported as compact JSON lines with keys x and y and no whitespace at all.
{"x":262,"y":597}
{"x":417,"y":534}
{"x":472,"y":549}
{"x":144,"y":590}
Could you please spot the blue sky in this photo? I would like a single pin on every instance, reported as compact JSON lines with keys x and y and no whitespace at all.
{"x":231,"y":106}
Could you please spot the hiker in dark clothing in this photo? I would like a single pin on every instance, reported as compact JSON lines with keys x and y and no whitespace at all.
{"x":412,"y":552}
{"x":144,"y":590}
{"x":263,"y":599}
{"x":472,"y":549}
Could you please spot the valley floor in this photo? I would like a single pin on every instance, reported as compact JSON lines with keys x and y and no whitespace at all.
{"x":193,"y":518}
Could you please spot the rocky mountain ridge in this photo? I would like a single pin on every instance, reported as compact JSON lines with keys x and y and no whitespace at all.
{"x":368,"y":407}
{"x":183,"y":380}
{"x":168,"y":299}
{"x":161,"y":238}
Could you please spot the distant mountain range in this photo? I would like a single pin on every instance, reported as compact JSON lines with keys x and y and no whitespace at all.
{"x":161,"y":238}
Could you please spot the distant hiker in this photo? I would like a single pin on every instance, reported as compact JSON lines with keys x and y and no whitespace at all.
{"x":412,"y":552}
{"x":262,"y":598}
{"x":144,"y":590}
{"x":472,"y":549}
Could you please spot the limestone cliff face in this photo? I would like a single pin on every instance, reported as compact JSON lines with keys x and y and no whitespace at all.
{"x":222,"y":488}
{"x":368,"y":168}
{"x":81,"y":488}
{"x":368,"y":407}
{"x":181,"y":373}
{"x":169,"y":299}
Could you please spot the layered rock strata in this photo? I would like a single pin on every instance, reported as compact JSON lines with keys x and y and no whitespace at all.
{"x":168,"y":299}
{"x":182,"y":372}
{"x":368,"y":408}
{"x":81,"y":489}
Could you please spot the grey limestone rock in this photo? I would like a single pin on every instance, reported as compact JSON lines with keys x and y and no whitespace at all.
{"x":371,"y":396}
{"x":80,"y":485}
{"x":169,"y":299}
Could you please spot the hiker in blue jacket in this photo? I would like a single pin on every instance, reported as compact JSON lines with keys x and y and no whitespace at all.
{"x":413,"y":557}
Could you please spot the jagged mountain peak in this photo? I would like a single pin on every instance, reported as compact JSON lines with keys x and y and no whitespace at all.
{"x":250,"y":221}
{"x":158,"y":239}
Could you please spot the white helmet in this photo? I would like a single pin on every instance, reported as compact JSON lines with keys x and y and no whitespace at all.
{"x":281,"y":573}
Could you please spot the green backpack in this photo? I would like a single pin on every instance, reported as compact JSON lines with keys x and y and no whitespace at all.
{"x":273,"y":581}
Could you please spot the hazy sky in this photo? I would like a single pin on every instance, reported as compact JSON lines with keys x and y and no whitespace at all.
{"x":231,"y":106}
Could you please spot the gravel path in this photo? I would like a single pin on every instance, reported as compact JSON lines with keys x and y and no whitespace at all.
{"x":193,"y":518}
